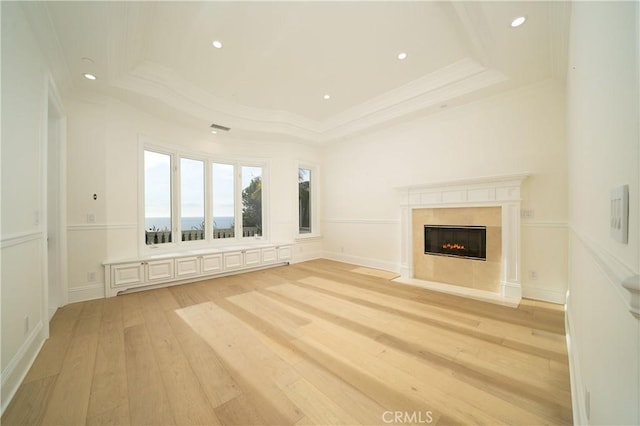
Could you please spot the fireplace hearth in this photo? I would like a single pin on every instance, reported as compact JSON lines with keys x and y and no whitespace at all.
{"x":468,"y":242}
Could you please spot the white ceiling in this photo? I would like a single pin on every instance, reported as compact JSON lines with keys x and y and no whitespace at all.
{"x":280,"y":58}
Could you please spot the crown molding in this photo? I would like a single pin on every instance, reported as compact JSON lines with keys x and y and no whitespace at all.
{"x":465,"y":78}
{"x":165,"y":85}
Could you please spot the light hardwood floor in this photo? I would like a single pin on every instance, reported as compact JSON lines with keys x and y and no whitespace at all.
{"x":319,"y":342}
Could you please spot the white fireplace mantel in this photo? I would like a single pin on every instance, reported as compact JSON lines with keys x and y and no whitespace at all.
{"x":497,"y":191}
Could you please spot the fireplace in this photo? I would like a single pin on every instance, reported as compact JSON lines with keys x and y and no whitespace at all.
{"x":491,"y":202}
{"x":468,"y":242}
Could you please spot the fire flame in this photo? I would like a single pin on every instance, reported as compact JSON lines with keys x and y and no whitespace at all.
{"x":454,"y":246}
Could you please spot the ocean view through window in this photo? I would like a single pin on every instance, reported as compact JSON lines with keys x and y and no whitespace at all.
{"x":191,"y":199}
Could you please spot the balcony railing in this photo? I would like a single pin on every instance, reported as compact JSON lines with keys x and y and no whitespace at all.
{"x":162,"y":237}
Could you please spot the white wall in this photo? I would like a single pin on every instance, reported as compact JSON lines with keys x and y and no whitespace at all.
{"x":24,"y":102}
{"x":520,"y":131}
{"x":102,"y":158}
{"x":603,"y":152}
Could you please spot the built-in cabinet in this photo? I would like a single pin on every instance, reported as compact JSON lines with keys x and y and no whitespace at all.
{"x":175,"y":268}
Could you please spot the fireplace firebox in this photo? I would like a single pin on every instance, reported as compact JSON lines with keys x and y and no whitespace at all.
{"x":469,"y":242}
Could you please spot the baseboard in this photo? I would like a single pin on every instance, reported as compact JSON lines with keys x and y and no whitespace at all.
{"x":362,"y":261}
{"x":577,"y":388}
{"x":86,"y":292}
{"x":19,"y":366}
{"x":544,"y":294}
{"x":305,"y":256}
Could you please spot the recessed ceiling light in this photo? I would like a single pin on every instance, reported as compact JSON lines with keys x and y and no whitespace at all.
{"x":90,"y":76}
{"x":214,"y":132}
{"x":326,"y":97}
{"x":518,"y":21}
{"x":217,"y":44}
{"x":402,"y":56}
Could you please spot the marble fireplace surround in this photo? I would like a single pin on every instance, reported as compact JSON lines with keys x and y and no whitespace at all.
{"x":498,"y":191}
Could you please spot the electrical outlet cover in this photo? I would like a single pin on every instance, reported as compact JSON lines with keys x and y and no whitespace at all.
{"x":619,"y":216}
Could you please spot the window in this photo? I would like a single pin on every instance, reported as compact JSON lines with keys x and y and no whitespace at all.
{"x":251,"y":201}
{"x":157,"y":198}
{"x":192,"y":197}
{"x":223,"y":200}
{"x":191,"y":200}
{"x":304,"y":201}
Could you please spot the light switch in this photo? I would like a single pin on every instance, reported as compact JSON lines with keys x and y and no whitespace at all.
{"x":619,"y":217}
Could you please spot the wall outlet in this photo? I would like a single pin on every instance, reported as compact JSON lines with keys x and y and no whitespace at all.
{"x":26,"y":325}
{"x":36,"y":218}
{"x":91,"y":276}
{"x":527,"y":213}
{"x":91,"y":218}
{"x":533,"y":275}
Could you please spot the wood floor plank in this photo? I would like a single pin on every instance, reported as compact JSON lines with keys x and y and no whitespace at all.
{"x":131,"y":310}
{"x":109,"y":398}
{"x":148,"y":401}
{"x":254,"y":365}
{"x":318,"y":408}
{"x":215,"y":380}
{"x":29,"y":403}
{"x":240,"y":411}
{"x":187,"y":399}
{"x":69,"y":401}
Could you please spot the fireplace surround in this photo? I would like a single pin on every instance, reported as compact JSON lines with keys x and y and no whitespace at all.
{"x":501,"y":191}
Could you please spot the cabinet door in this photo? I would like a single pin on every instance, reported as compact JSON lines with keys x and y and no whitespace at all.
{"x":232,"y":260}
{"x":269,"y":255}
{"x":252,"y":257}
{"x":127,"y":274}
{"x":212,"y":263}
{"x":284,"y":253}
{"x":159,"y":270}
{"x":187,"y":266}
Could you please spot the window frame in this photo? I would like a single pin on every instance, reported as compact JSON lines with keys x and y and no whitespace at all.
{"x":176,"y":154}
{"x":314,"y":200}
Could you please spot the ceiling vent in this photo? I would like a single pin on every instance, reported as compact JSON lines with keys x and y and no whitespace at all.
{"x":219,"y":127}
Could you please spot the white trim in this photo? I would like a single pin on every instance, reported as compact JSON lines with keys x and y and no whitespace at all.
{"x":543,"y":224}
{"x":361,"y":261}
{"x":622,"y":278}
{"x":575,"y":378}
{"x":20,"y":238}
{"x":363,"y":221}
{"x":176,"y":153}
{"x":18,"y":367}
{"x":100,"y":226}
{"x":550,"y":295}
{"x":86,"y":292}
{"x":472,"y":293}
{"x":460,"y":78}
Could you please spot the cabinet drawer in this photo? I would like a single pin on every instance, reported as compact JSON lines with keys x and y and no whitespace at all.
{"x":127,"y":274}
{"x":212,"y":263}
{"x":187,"y":266}
{"x":284,"y":253}
{"x":232,"y":260}
{"x":252,"y":257}
{"x":159,"y":270}
{"x":269,"y":255}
